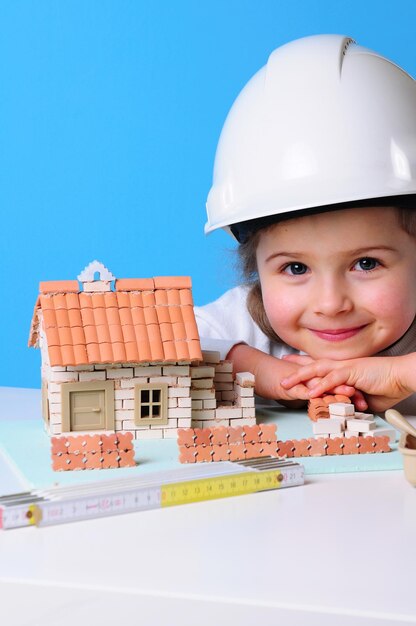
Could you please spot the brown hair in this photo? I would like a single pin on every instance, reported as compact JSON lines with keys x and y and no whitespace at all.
{"x":248,"y":263}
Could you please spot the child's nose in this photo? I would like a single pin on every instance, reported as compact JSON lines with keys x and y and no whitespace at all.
{"x":332,"y":297}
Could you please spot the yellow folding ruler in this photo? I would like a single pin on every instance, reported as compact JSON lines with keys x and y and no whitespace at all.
{"x":190,"y":483}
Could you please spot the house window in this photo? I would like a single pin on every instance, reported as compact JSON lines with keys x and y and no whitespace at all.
{"x":151,"y":404}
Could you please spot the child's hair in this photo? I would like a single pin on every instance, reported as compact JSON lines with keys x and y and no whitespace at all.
{"x":248,"y":263}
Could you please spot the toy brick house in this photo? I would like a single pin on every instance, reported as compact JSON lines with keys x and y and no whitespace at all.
{"x":130,"y":359}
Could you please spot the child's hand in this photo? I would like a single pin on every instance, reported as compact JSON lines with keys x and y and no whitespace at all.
{"x":269,"y":372}
{"x":384,"y":380}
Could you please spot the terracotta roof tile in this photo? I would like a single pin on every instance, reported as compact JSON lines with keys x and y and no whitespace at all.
{"x":59,"y":286}
{"x":172,"y":282}
{"x":134,"y":284}
{"x":145,"y":320}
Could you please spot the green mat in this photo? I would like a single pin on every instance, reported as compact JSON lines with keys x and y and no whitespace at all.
{"x":26,"y":447}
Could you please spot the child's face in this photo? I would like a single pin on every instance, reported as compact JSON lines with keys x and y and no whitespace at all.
{"x":341,"y":284}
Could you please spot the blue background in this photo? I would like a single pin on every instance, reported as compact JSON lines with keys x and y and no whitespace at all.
{"x":110,"y":112}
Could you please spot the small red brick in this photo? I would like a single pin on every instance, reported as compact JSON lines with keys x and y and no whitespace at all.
{"x":350,"y":445}
{"x":270,"y":448}
{"x":126,"y":458}
{"x":61,"y":463}
{"x":267,"y":432}
{"x":202,"y":436}
{"x":186,"y":436}
{"x":187,"y":455}
{"x":110,"y":460}
{"x":237,"y":451}
{"x":301,"y":447}
{"x":318,"y":447}
{"x":235,"y":434}
{"x":109,"y":442}
{"x":251,"y":434}
{"x":221,"y":453}
{"x":367,"y":445}
{"x":219,"y":435}
{"x":382,"y":444}
{"x":285,"y":448}
{"x":93,"y":460}
{"x":125,"y":441}
{"x":204,"y":454}
{"x":59,"y":445}
{"x":335,"y":446}
{"x":253,"y":450}
{"x":93,"y":443}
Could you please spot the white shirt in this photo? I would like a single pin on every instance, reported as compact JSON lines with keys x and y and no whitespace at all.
{"x":226,"y":322}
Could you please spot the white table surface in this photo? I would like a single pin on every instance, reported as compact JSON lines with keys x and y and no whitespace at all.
{"x":338,"y":550}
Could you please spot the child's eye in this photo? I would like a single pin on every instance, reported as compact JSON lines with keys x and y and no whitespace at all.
{"x":366,"y":264}
{"x":295,"y":269}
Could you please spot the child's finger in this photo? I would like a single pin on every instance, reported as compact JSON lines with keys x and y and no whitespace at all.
{"x":300,"y":359}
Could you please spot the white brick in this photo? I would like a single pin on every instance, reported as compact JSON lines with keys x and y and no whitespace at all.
{"x":186,"y":402}
{"x":210,"y":356}
{"x":245,"y":403}
{"x":198,"y":404}
{"x":80,"y":368}
{"x":249,"y":412}
{"x":223,"y":378}
{"x":128,"y":404}
{"x":245,"y":379}
{"x":164,"y":380}
{"x":184,"y":423}
{"x":148,"y":434}
{"x":364,"y":416}
{"x":124,"y":415}
{"x":129,"y":425}
{"x":243,"y":392}
{"x":120,"y":373}
{"x":131,"y":382}
{"x":176,"y":370}
{"x":209,"y":404}
{"x":179,"y":392}
{"x":180,"y":412}
{"x":326,"y":426}
{"x":54,"y":388}
{"x":203,"y":415}
{"x":55,"y":429}
{"x":171,"y":433}
{"x":212,"y":423}
{"x":244,"y":422}
{"x":228,"y":412}
{"x":55,"y":419}
{"x":224,"y":367}
{"x":224,"y":386}
{"x":86,"y":376}
{"x":118,"y":404}
{"x":360,"y":426}
{"x":383,"y":432}
{"x":58,"y":368}
{"x":203,"y":394}
{"x":202,"y":371}
{"x":148,"y":371}
{"x":123,"y":394}
{"x":173,"y":403}
{"x":64,"y":377}
{"x":184,"y":381}
{"x":202,"y":383}
{"x":343,"y":409}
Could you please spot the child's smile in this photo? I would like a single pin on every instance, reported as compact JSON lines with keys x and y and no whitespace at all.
{"x":340,"y":284}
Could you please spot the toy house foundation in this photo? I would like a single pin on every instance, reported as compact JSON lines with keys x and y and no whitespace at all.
{"x":124,"y":355}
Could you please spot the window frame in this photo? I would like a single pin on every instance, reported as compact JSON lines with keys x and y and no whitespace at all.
{"x":147,"y":420}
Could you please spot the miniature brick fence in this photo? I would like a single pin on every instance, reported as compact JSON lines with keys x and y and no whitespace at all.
{"x":103,"y":451}
{"x":222,"y":443}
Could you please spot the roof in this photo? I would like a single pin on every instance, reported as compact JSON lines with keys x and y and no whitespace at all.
{"x":142,"y":320}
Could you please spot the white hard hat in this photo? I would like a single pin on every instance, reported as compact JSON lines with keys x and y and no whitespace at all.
{"x":324,"y":122}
